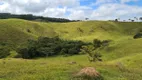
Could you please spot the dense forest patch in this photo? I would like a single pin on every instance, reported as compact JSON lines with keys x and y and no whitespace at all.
{"x":45,"y":47}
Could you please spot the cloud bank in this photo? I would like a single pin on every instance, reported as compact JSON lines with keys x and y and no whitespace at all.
{"x":74,"y":9}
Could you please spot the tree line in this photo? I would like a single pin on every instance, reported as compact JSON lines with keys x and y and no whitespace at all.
{"x":32,"y":17}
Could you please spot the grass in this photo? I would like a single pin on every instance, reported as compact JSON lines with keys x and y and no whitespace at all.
{"x":11,"y":29}
{"x":58,"y":68}
{"x":121,"y":59}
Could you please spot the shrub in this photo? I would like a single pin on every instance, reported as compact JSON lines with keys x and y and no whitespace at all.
{"x":73,"y":51}
{"x":28,"y":30}
{"x":5,"y":48}
{"x":97,"y":56}
{"x":138,"y":35}
{"x":24,"y":53}
{"x":97,"y":43}
{"x":4,"y":52}
{"x":105,"y":42}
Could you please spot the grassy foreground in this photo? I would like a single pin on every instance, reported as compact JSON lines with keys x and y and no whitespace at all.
{"x":59,"y":68}
{"x":121,"y":59}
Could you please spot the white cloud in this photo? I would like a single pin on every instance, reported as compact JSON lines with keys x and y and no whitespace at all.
{"x":105,"y":9}
{"x":50,"y":8}
{"x":112,"y":11}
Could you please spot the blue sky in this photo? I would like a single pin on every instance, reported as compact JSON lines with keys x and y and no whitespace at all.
{"x":75,"y":9}
{"x":138,"y":3}
{"x":130,"y":2}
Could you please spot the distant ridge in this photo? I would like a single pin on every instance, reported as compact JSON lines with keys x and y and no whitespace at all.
{"x":33,"y":17}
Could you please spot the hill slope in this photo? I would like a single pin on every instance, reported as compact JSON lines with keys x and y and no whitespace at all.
{"x":121,"y":59}
{"x":121,"y":33}
{"x":17,"y":30}
{"x":11,"y":29}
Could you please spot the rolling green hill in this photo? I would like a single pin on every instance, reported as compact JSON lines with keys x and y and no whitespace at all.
{"x":121,"y":59}
{"x":19,"y":30}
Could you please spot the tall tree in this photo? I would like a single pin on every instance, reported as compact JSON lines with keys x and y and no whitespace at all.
{"x":140,"y":18}
{"x":86,"y":18}
{"x":136,"y":18}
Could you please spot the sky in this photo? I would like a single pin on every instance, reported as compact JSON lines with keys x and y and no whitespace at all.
{"x":75,"y":9}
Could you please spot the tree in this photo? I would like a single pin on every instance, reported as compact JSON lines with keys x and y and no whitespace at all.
{"x":86,"y":18}
{"x":132,"y":20}
{"x":140,"y":18}
{"x":92,"y":50}
{"x":97,"y":43}
{"x":93,"y":56}
{"x":136,"y":18}
{"x":116,"y":20}
{"x":129,"y":19}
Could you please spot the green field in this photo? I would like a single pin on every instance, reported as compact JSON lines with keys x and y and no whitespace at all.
{"x":121,"y":59}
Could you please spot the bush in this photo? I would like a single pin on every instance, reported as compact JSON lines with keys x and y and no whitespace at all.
{"x":138,"y":35}
{"x":98,"y":43}
{"x":105,"y":42}
{"x":5,"y":48}
{"x":4,"y":52}
{"x":24,"y":53}
{"x":73,"y":51}
{"x":97,"y":56}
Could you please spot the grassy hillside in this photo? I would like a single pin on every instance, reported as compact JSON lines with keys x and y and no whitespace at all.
{"x":87,"y":31}
{"x":121,"y":59}
{"x":12,"y":29}
{"x":17,"y":30}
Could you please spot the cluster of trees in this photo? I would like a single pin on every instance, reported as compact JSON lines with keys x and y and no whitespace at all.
{"x":45,"y":47}
{"x":131,"y":20}
{"x":32,"y":17}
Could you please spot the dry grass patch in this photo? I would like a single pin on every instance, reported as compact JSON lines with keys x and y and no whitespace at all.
{"x":88,"y":73}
